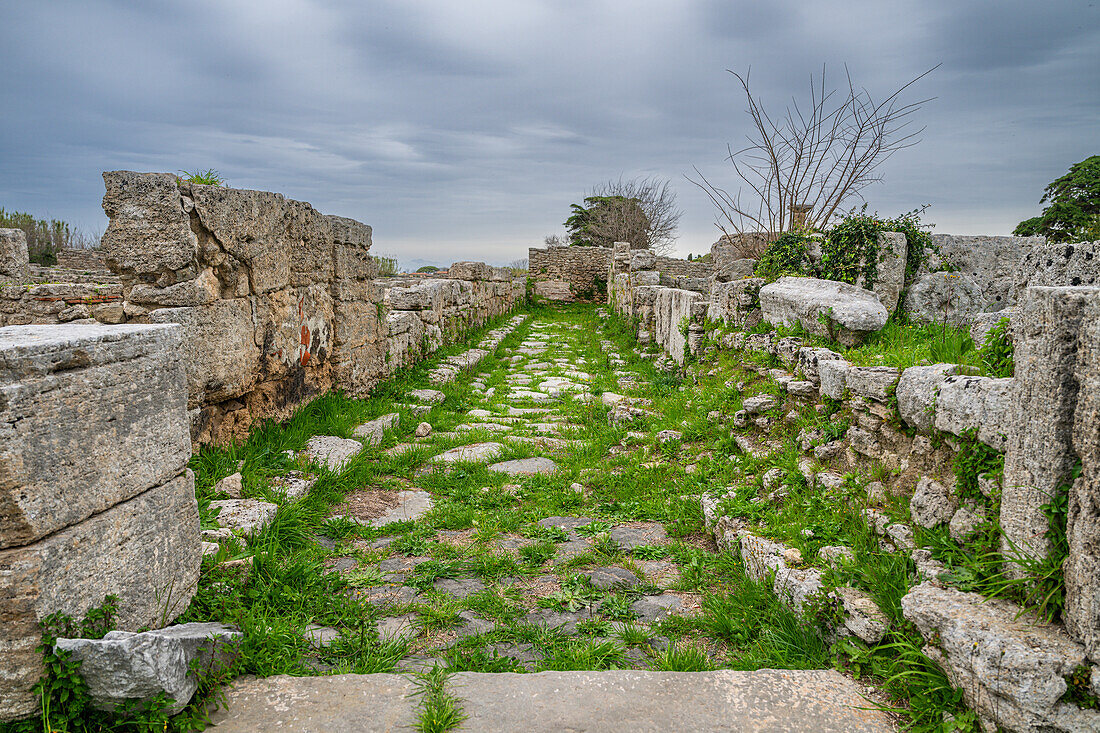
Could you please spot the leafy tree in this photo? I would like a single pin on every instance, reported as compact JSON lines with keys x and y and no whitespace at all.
{"x":44,"y":237}
{"x":641,"y":211}
{"x":603,"y":220}
{"x":428,"y":268}
{"x":1073,"y":211}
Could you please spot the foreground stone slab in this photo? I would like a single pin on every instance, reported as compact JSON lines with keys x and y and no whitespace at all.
{"x":145,"y":550}
{"x":824,"y":307}
{"x":332,"y":452}
{"x":92,"y":415}
{"x":374,"y":703}
{"x":124,"y":666}
{"x":411,"y":505}
{"x":629,"y":701}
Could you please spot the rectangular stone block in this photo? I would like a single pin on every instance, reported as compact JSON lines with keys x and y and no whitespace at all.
{"x":90,"y":415}
{"x":470,"y":271}
{"x":976,"y":403}
{"x":220,"y":348}
{"x":875,"y":383}
{"x":145,"y":550}
{"x":149,"y":231}
{"x":1082,"y":567}
{"x":1040,"y":454}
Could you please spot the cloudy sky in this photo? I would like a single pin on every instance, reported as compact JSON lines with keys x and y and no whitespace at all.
{"x":465,"y":130}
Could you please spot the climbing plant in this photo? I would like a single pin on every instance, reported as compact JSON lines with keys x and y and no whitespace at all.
{"x":787,"y":255}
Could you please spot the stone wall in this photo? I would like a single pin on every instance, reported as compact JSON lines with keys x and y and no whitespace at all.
{"x":582,"y":269}
{"x":278,"y":302}
{"x":95,"y":495}
{"x":1045,"y":420}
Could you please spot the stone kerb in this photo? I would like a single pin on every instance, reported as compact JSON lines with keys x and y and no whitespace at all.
{"x":97,"y":499}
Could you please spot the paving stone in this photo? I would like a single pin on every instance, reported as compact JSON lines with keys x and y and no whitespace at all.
{"x":392,"y":628}
{"x":474,"y":453}
{"x":525,"y":467}
{"x":656,"y":608}
{"x":384,"y":596}
{"x":611,"y":577}
{"x":320,"y":636}
{"x":428,"y":396}
{"x":411,"y":505}
{"x":331,"y":452}
{"x":630,"y":536}
{"x":563,"y":621}
{"x":459,"y":587}
{"x":567,"y":523}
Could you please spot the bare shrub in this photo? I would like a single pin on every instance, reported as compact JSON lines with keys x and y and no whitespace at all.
{"x":801,"y":167}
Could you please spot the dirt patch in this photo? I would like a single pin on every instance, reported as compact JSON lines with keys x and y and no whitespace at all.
{"x":531,"y":589}
{"x":366,"y":504}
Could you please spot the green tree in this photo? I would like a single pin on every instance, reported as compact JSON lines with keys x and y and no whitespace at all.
{"x":1073,"y":206}
{"x":604,"y":220}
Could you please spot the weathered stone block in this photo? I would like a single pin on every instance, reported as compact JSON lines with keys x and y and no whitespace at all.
{"x":833,"y":375}
{"x":202,"y":290}
{"x":145,"y":550}
{"x":149,"y":232}
{"x":891,"y":256}
{"x":1082,"y":567}
{"x":875,"y":383}
{"x":469,"y":271}
{"x":944,"y":297}
{"x":1058,"y":264}
{"x":642,"y":259}
{"x":1010,"y":668}
{"x":90,"y":415}
{"x":823,"y":307}
{"x":15,"y":262}
{"x":1040,"y":453}
{"x":992,"y":263}
{"x":983,"y":404}
{"x":917,"y":391}
{"x":554,"y":290}
{"x":127,"y":667}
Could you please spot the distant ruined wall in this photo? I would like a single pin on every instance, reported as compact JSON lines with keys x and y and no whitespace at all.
{"x":278,"y":302}
{"x":584,"y":269}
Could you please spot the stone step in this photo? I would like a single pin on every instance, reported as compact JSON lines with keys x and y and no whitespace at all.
{"x":764,"y":701}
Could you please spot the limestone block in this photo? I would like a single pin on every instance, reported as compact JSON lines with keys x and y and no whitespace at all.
{"x":220,"y":351}
{"x":372,"y":431}
{"x":863,"y":619}
{"x":428,"y":295}
{"x":1010,"y":668}
{"x":875,"y":383}
{"x":202,"y":290}
{"x":90,"y":415}
{"x":808,"y":358}
{"x":932,"y":504}
{"x":673,"y":308}
{"x":917,"y":392}
{"x":1082,"y":567}
{"x":736,"y":270}
{"x":833,"y":375}
{"x":283,"y":242}
{"x":124,"y":666}
{"x":149,"y":232}
{"x":294,"y":327}
{"x":500,"y":274}
{"x":1040,"y":454}
{"x":469,"y":271}
{"x":984,"y":404}
{"x":349,"y":232}
{"x":642,"y":259}
{"x":554,"y":290}
{"x":944,"y":297}
{"x":15,"y":262}
{"x":645,"y":278}
{"x":986,"y":322}
{"x":824,"y":307}
{"x":891,"y":257}
{"x":992,"y":263}
{"x":145,"y":550}
{"x":735,"y":302}
{"x":1058,"y":264}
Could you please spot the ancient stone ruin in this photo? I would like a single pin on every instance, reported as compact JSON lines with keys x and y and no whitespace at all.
{"x":545,"y":470}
